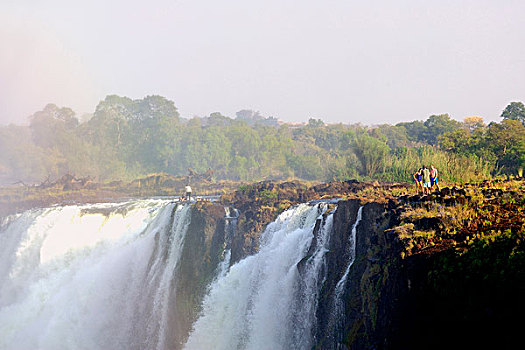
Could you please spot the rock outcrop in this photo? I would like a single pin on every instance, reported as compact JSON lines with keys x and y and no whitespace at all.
{"x":437,"y":271}
{"x":373,"y":284}
{"x":260,"y":203}
{"x":445,"y":270}
{"x":203,"y":250}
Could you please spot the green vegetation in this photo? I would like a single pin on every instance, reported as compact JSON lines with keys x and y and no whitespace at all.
{"x":466,"y":265}
{"x":462,"y":218}
{"x":126,"y":139}
{"x":496,"y":260}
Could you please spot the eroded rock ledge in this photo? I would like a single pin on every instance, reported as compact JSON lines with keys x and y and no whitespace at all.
{"x":436,"y":271}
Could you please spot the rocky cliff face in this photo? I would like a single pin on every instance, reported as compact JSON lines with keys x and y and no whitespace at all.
{"x":447,"y":283}
{"x":260,"y":203}
{"x":417,"y":281}
{"x":374,"y":281}
{"x":377,"y":278}
{"x":203,"y":250}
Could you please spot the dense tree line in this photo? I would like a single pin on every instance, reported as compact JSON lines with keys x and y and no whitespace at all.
{"x":128,"y":138}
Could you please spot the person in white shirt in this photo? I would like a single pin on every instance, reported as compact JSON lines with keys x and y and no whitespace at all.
{"x":188,"y":192}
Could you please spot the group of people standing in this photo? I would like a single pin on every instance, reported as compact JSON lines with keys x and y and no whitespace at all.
{"x":426,"y":179}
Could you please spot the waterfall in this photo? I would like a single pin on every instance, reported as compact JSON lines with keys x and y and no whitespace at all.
{"x":342,"y":281}
{"x":231,"y":218}
{"x":107,"y":276}
{"x":90,"y":277}
{"x":338,"y":309}
{"x":313,"y":277}
{"x":263,"y":301}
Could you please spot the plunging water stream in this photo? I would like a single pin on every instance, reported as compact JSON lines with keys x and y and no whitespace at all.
{"x":104,"y":276}
{"x":90,"y":277}
{"x":263,"y":302}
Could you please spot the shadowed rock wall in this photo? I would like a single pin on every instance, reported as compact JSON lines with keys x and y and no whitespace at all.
{"x":203,"y":251}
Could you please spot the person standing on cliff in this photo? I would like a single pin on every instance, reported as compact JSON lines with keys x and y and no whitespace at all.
{"x":188,"y":192}
{"x":418,"y":177}
{"x":433,"y":177}
{"x":426,"y":180}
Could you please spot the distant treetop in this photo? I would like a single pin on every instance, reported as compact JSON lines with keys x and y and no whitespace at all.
{"x":514,"y":111}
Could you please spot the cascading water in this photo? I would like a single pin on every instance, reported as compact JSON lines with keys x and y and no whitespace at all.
{"x":342,"y":281}
{"x":90,"y":277}
{"x":105,"y":277}
{"x":257,"y":303}
{"x":336,"y":320}
{"x":231,"y":217}
{"x":313,"y":276}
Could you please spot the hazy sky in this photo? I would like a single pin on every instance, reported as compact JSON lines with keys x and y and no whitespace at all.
{"x":341,"y":61}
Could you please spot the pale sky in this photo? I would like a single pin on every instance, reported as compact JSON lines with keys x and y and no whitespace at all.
{"x":341,"y":61}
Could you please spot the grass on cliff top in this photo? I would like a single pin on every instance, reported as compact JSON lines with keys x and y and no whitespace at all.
{"x":486,"y":215}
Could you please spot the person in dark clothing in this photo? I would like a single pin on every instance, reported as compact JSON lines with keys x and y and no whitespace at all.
{"x":418,"y":175}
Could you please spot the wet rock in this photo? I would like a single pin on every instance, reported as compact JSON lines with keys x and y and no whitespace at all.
{"x":404,"y":199}
{"x":428,"y":223}
{"x":205,"y":240}
{"x":462,"y":200}
{"x":415,"y":199}
{"x":446,"y":191}
{"x":449,"y":201}
{"x":301,"y":265}
{"x":455,"y":191}
{"x":492,"y":192}
{"x":426,"y":198}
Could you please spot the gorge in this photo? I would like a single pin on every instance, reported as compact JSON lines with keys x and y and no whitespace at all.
{"x":330,"y":273}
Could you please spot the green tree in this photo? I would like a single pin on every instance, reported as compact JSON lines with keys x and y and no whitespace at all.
{"x":110,"y":122}
{"x":415,"y":130}
{"x":126,"y":138}
{"x":371,"y":152}
{"x":473,"y":123}
{"x":57,"y":131}
{"x":395,"y":136}
{"x":50,"y":123}
{"x":315,"y":123}
{"x":217,"y":119}
{"x":437,"y":125}
{"x":507,"y":140}
{"x":514,"y":111}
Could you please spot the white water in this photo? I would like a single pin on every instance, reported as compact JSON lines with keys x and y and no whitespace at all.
{"x":90,"y":277}
{"x":263,"y":302}
{"x":342,"y":281}
{"x":104,"y":277}
{"x":229,"y":229}
{"x":338,"y":310}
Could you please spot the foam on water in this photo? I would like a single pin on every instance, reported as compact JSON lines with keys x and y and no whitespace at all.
{"x":104,"y":277}
{"x":254,"y":305}
{"x":89,"y":277}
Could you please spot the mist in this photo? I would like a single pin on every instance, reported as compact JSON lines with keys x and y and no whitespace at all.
{"x":338,"y":61}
